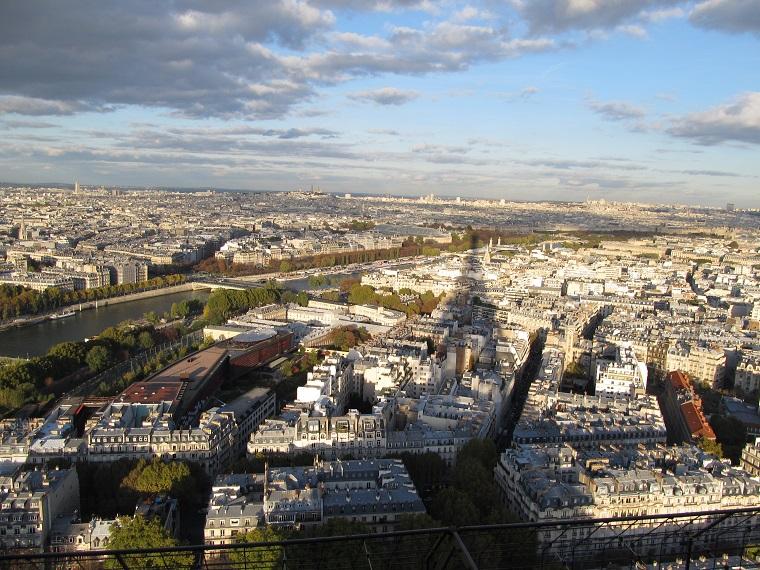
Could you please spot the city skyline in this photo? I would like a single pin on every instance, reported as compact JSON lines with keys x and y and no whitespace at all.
{"x":642,"y":100}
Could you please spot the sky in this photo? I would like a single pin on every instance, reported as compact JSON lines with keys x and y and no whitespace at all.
{"x":628,"y":100}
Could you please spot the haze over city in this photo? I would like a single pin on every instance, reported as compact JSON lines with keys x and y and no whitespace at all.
{"x":645,"y":100}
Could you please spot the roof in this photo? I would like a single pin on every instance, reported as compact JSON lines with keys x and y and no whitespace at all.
{"x":695,"y":420}
{"x":151,"y":392}
{"x":679,"y":380}
{"x":252,"y":336}
{"x":195,"y":367}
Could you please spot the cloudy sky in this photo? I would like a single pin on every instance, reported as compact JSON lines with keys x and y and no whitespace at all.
{"x":648,"y":100}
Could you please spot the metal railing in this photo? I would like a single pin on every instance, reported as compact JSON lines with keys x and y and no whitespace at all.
{"x":701,"y":540}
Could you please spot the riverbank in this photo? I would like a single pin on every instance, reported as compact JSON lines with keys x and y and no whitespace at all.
{"x":102,"y":303}
{"x":36,"y":340}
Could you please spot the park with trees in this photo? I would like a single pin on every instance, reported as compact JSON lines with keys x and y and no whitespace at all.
{"x":38,"y":380}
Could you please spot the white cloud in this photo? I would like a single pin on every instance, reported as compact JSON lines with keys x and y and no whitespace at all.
{"x":616,"y":110}
{"x":36,"y":106}
{"x":737,"y":121}
{"x":385,"y":96}
{"x":561,"y":15}
{"x":633,"y":30}
{"x":727,"y":15}
{"x":657,"y":16}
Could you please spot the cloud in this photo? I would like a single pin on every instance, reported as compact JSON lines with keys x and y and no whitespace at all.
{"x":547,"y":16}
{"x":252,"y":60}
{"x":616,"y":110}
{"x":657,"y":16}
{"x":439,"y":149}
{"x":385,"y":96}
{"x":35,"y":106}
{"x":388,"y":132}
{"x":376,"y":5}
{"x":737,"y":121}
{"x":633,"y":30}
{"x":12,"y":124}
{"x":733,"y":16}
{"x":717,"y":173}
{"x":195,"y":58}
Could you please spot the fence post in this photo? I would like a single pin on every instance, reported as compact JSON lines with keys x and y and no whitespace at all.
{"x":689,"y":547}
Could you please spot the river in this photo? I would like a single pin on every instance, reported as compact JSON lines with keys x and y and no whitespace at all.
{"x":36,"y":340}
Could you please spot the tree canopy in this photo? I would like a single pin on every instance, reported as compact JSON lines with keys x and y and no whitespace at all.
{"x":266,"y":558}
{"x":139,"y":532}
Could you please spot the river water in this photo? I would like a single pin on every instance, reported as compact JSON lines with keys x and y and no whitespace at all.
{"x":36,"y":340}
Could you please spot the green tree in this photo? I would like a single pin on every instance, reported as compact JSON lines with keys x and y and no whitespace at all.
{"x":710,"y":446}
{"x":145,"y":340}
{"x":99,"y":358}
{"x":575,"y":370}
{"x":428,"y":471}
{"x":138,"y":532}
{"x":72,"y":351}
{"x":330,"y":296}
{"x":265,"y":557}
{"x":175,"y":478}
{"x":454,"y":507}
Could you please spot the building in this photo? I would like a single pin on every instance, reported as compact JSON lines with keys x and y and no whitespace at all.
{"x":551,"y":482}
{"x":249,"y":410}
{"x":703,"y":363}
{"x":130,"y":272}
{"x":376,"y":493}
{"x":682,"y":410}
{"x":69,"y":534}
{"x":551,"y":416}
{"x":750,"y":460}
{"x":328,"y":385}
{"x":162,"y":507}
{"x":38,"y":281}
{"x":16,"y":437}
{"x":30,"y":501}
{"x":625,"y":377}
{"x":355,"y":434}
{"x":747,"y":377}
{"x":235,"y":507}
{"x":148,"y":430}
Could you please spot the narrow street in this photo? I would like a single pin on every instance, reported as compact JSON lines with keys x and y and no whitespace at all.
{"x":521,"y":391}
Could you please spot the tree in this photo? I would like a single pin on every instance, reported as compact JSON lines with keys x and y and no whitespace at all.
{"x":427,"y":471}
{"x":145,"y":340}
{"x":575,"y":370}
{"x":710,"y":446}
{"x":138,"y":533}
{"x":99,"y":358}
{"x":330,"y":296}
{"x":361,"y":295}
{"x":265,"y":557}
{"x":175,"y":478}
{"x":731,"y":434}
{"x":72,"y":351}
{"x":453,"y":507}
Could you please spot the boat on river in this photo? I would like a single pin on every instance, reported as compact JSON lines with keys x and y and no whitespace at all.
{"x":62,"y":315}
